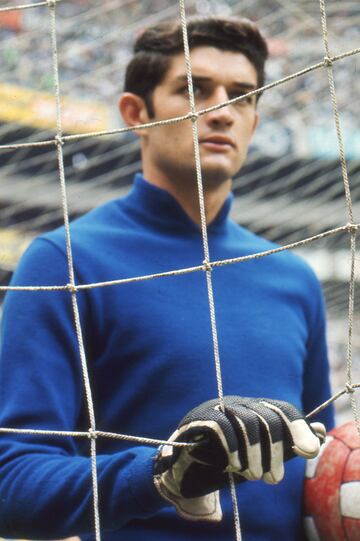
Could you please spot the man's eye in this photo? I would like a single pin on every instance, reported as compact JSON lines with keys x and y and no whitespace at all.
{"x":248,"y":100}
{"x":197,"y":90}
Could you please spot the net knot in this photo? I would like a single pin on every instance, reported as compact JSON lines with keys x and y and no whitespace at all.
{"x":71,"y":288}
{"x":51,"y":3}
{"x":92,"y":434}
{"x":207,"y":266}
{"x":352,"y":228}
{"x":349,"y":388}
{"x":59,"y":140}
{"x":194,"y":116}
{"x":327,"y":61}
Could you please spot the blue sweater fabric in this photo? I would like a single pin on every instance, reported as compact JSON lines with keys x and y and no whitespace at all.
{"x":150,"y":356}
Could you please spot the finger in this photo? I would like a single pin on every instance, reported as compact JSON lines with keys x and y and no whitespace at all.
{"x":212,"y":448}
{"x":277,"y":471}
{"x":319,"y":430}
{"x":272,"y":443}
{"x":304,"y":442}
{"x":187,"y":475}
{"x":267,"y":457}
{"x":249,"y":434}
{"x":220,"y":442}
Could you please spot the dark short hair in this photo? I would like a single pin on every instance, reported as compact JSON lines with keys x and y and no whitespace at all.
{"x":156,"y":45}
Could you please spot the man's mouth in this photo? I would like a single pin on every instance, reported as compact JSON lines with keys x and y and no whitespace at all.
{"x":217,"y":147}
{"x":218,"y":142}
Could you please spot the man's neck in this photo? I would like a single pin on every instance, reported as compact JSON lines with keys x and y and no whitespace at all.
{"x":188,"y":198}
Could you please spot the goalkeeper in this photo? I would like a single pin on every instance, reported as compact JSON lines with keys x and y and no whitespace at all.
{"x":149,"y":344}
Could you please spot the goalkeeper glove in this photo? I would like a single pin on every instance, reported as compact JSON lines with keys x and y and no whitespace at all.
{"x":251,"y":438}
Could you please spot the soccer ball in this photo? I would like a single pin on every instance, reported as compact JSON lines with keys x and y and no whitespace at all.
{"x":332,"y":488}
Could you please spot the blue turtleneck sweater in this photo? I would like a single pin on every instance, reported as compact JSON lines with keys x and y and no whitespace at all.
{"x":150,"y":357}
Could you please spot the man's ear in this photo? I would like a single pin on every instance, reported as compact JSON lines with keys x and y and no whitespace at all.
{"x":133,"y":110}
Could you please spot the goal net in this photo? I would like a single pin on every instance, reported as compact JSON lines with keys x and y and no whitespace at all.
{"x":62,"y":65}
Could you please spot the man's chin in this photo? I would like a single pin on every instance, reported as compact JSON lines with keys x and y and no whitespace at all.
{"x":216,"y":176}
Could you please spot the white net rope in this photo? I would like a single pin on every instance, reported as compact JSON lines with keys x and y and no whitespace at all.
{"x":207,"y":266}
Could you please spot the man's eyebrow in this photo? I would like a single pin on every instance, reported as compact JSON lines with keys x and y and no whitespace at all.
{"x":242,"y":85}
{"x":245,"y":86}
{"x":183,"y":78}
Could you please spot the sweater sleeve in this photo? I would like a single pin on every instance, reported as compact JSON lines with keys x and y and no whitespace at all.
{"x":316,"y":373}
{"x":45,"y":482}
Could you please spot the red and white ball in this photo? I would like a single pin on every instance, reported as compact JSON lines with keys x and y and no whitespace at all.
{"x":332,"y":488}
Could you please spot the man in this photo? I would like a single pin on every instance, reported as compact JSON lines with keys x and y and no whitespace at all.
{"x":149,"y":344}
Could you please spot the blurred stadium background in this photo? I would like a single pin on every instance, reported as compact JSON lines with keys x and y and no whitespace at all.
{"x":291,"y":187}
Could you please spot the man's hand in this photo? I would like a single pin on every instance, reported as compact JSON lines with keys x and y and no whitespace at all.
{"x":251,"y":438}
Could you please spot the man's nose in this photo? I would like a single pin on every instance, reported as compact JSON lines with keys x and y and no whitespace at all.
{"x":223,"y":116}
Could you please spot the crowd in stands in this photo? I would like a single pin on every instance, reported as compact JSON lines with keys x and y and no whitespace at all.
{"x":95,"y":38}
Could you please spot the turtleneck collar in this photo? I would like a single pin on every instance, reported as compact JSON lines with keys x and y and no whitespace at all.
{"x":161,"y":208}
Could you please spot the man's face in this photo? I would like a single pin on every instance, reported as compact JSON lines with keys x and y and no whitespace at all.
{"x":224,"y":135}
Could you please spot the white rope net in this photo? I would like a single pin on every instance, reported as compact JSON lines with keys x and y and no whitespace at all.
{"x":348,"y":226}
